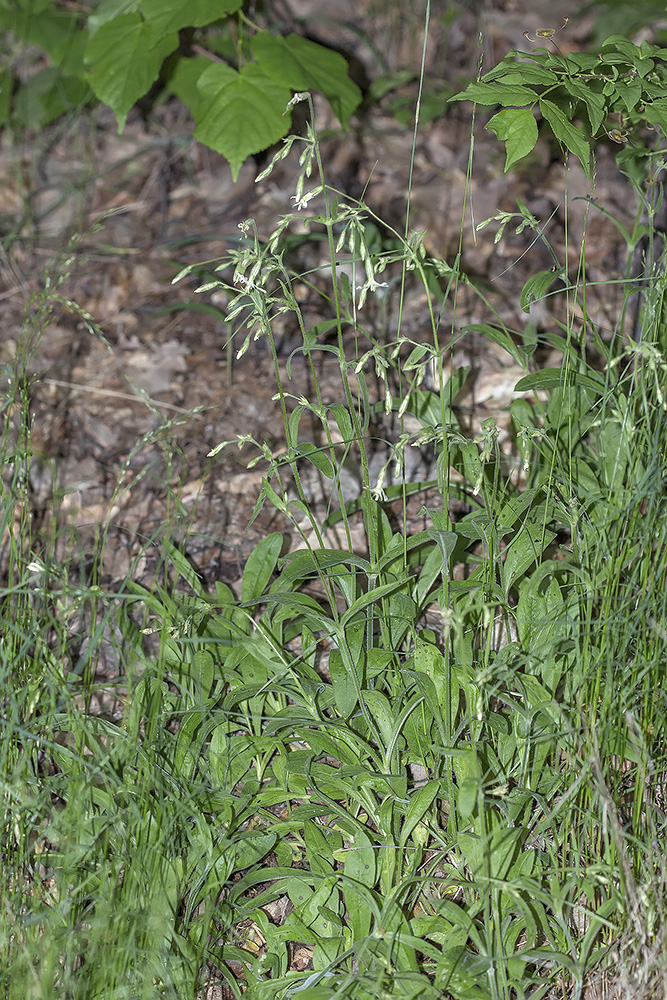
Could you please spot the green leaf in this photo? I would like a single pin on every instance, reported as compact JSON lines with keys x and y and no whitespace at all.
{"x":524,"y":550}
{"x":538,"y":612}
{"x":550,"y":378}
{"x":622,"y":45}
{"x":492,"y":856}
{"x":56,"y":32}
{"x":499,"y":336}
{"x":46,"y":95}
{"x":308,"y":904}
{"x":419,"y":805}
{"x":361,"y":868}
{"x":260,"y":566}
{"x":379,"y":706}
{"x":125,"y":56}
{"x":595,"y":103}
{"x":343,"y":420}
{"x":184,"y":82}
{"x":252,"y":846}
{"x":320,"y":844}
{"x":107,"y":10}
{"x":244,"y":113}
{"x":172,"y":15}
{"x":360,"y":860}
{"x":467,"y":795}
{"x":567,"y":134}
{"x":536,"y":288}
{"x":300,"y":64}
{"x":345,"y":689}
{"x":497,"y":93}
{"x":376,"y":594}
{"x":655,"y":113}
{"x":517,"y":128}
{"x":430,"y":660}
{"x":521,"y":74}
{"x":464,"y":974}
{"x":6,"y":87}
{"x":317,"y":457}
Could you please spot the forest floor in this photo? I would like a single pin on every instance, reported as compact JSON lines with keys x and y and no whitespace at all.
{"x":117,"y":216}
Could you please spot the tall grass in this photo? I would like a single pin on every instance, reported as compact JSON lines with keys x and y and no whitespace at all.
{"x":428,"y":766}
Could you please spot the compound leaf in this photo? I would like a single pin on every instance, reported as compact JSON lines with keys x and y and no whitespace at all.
{"x":568,"y":134}
{"x":496,"y":93}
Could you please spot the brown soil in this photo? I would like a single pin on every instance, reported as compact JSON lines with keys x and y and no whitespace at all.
{"x":123,"y":426}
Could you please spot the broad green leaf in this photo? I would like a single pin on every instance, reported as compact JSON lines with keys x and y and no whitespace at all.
{"x":360,"y":860}
{"x":595,"y":103}
{"x":300,"y":64}
{"x":379,"y":707}
{"x":517,"y":128}
{"x":6,"y":88}
{"x":306,"y":565}
{"x":320,"y":844}
{"x":436,"y":564}
{"x":260,"y":566}
{"x":536,"y":288}
{"x":292,"y":430}
{"x":490,"y":857}
{"x":418,"y":806}
{"x":464,"y":974}
{"x":549,"y":378}
{"x":309,"y":904}
{"x":345,"y":687}
{"x":524,"y":550}
{"x":467,"y":795}
{"x":497,"y":93}
{"x":252,"y":846}
{"x":403,"y":613}
{"x":317,"y":457}
{"x":373,"y":595}
{"x":343,"y":420}
{"x":415,"y":358}
{"x":567,"y":133}
{"x":431,"y":661}
{"x":360,"y":866}
{"x":631,"y":95}
{"x":655,"y":113}
{"x":538,"y":612}
{"x":499,"y":336}
{"x":125,"y":56}
{"x":244,"y":113}
{"x":107,"y":10}
{"x":46,"y":95}
{"x":172,"y":15}
{"x":184,"y":82}
{"x":537,"y":695}
{"x":56,"y":32}
{"x":513,"y":74}
{"x":622,"y":45}
{"x":515,"y":508}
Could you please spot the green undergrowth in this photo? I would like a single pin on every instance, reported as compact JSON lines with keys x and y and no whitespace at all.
{"x":432,"y":764}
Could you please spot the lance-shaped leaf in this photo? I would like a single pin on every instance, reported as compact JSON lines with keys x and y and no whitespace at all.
{"x":567,"y":134}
